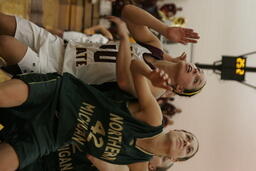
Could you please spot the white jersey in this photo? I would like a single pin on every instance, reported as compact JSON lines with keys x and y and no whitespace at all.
{"x":95,"y":63}
{"x":83,"y":38}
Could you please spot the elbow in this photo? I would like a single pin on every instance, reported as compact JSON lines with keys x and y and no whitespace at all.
{"x":125,"y":10}
{"x":127,"y":87}
{"x":122,"y":83}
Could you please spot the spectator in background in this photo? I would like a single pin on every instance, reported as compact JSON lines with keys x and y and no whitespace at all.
{"x":167,"y":107}
{"x":168,"y":110}
{"x":170,"y":10}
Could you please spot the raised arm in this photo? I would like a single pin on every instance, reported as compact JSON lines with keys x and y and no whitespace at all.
{"x":138,"y":21}
{"x":150,"y":111}
{"x":98,"y":28}
{"x":123,"y":73}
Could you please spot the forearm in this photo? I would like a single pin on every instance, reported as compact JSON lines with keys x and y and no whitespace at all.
{"x":150,"y":112}
{"x":139,"y":16}
{"x":123,"y":58}
{"x":95,"y":28}
{"x":92,"y":30}
{"x":123,"y":62}
{"x":140,"y":73}
{"x":104,"y":31}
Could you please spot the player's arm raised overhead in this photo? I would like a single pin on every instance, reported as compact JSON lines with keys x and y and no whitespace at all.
{"x":138,"y":21}
{"x":123,"y":74}
{"x":150,"y":111}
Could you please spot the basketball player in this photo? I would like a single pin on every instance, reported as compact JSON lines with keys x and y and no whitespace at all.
{"x":38,"y":51}
{"x":61,"y":109}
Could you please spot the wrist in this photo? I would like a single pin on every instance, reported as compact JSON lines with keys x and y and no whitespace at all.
{"x":164,"y":30}
{"x":124,"y":37}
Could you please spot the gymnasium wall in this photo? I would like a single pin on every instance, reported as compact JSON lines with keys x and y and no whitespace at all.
{"x":223,"y":115}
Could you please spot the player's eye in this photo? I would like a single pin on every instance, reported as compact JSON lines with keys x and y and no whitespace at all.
{"x":196,"y":80}
{"x":189,"y":149}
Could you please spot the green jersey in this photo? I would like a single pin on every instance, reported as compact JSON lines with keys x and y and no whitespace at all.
{"x":63,"y":110}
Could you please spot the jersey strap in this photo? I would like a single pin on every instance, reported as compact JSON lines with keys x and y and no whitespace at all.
{"x":155,"y":52}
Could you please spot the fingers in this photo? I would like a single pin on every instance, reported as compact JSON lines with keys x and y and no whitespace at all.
{"x":122,"y":30}
{"x":160,"y":79}
{"x":88,"y":31}
{"x":109,"y":36}
{"x":182,"y":35}
{"x":192,"y":34}
{"x":166,"y":84}
{"x":183,"y":56}
{"x":187,"y":40}
{"x":189,"y":36}
{"x":168,"y":95}
{"x":119,"y":22}
{"x":107,"y":33}
{"x":114,"y":19}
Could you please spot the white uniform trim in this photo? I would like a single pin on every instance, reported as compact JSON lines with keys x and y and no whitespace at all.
{"x":45,"y":51}
{"x":83,"y":38}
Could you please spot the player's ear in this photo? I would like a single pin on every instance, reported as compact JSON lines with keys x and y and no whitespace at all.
{"x":179,"y":89}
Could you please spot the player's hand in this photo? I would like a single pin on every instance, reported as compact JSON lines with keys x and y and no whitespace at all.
{"x":89,"y":31}
{"x":100,"y":164}
{"x":121,"y":26}
{"x":181,"y":35}
{"x":169,"y":94}
{"x":182,"y":57}
{"x":160,"y":79}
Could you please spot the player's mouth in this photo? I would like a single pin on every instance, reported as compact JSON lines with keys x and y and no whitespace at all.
{"x":189,"y":68}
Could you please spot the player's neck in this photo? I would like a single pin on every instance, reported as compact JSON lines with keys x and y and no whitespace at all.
{"x":167,"y":66}
{"x":155,"y":145}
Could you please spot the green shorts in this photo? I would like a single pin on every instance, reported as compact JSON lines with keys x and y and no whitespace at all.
{"x":35,"y":121}
{"x":66,"y":158}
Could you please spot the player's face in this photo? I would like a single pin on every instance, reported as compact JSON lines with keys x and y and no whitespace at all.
{"x":158,"y":162}
{"x":183,"y":144}
{"x":189,"y":76}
